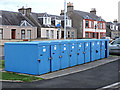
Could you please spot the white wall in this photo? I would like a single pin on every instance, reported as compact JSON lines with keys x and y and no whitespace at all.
{"x":43,"y":33}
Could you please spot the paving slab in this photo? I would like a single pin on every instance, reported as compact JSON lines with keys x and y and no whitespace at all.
{"x":79,"y":68}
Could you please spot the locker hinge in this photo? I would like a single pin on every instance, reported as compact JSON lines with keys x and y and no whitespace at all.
{"x":50,"y":58}
{"x":83,"y":52}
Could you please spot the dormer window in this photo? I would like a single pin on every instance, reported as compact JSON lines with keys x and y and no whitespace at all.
{"x":47,"y":20}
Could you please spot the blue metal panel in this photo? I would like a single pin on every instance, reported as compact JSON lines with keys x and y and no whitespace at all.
{"x":87,"y":52}
{"x":64,"y":55}
{"x":21,"y":58}
{"x":55,"y":53}
{"x":43,"y":56}
{"x":97,"y":50}
{"x":102,"y":50}
{"x":73,"y":53}
{"x":80,"y":53}
{"x":93,"y":50}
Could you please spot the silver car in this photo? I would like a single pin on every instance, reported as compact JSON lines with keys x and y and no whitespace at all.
{"x":114,"y":47}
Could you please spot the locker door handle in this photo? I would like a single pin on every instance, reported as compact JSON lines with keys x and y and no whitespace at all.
{"x":60,"y":56}
{"x":39,"y":60}
{"x":96,"y":51}
{"x":50,"y":58}
{"x":53,"y":53}
{"x":41,"y":55}
{"x":78,"y":54}
{"x":70,"y":55}
{"x":83,"y":52}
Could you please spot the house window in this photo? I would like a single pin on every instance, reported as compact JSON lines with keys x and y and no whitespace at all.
{"x":86,"y":35}
{"x":86,"y":24}
{"x":52,"y":34}
{"x":72,"y":34}
{"x":1,"y":33}
{"x":23,"y":34}
{"x":28,"y":34}
{"x":104,"y":35}
{"x":90,"y":24}
{"x":45,"y":20}
{"x":100,"y":25}
{"x":68,"y":34}
{"x":90,"y":35}
{"x":104,"y":26}
{"x":101,"y":35}
{"x":47,"y":33}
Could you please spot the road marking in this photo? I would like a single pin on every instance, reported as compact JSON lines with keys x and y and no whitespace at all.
{"x":110,"y":86}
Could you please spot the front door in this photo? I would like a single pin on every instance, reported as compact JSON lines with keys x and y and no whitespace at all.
{"x":13,"y":33}
{"x":57,"y":34}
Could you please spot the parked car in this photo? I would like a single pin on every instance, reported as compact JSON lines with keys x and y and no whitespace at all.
{"x":114,"y":47}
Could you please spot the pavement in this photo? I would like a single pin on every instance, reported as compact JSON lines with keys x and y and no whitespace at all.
{"x":79,"y":68}
{"x":103,"y":74}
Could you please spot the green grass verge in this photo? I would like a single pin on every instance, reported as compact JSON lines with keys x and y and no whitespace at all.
{"x":2,"y":64}
{"x":15,"y":76}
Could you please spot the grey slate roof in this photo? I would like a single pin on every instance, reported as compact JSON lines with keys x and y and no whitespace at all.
{"x":86,"y":15}
{"x":13,"y":18}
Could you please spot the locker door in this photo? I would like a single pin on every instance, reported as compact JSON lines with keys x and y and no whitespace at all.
{"x":64,"y":56}
{"x":80,"y":53}
{"x":43,"y":59}
{"x":92,"y":46}
{"x":55,"y":61}
{"x":73,"y":54}
{"x":97,"y":50}
{"x":87,"y":52}
{"x":102,"y":53}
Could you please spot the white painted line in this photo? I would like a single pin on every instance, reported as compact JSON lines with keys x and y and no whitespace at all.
{"x":109,"y":86}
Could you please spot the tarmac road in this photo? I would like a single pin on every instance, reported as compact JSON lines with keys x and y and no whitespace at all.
{"x":93,"y":78}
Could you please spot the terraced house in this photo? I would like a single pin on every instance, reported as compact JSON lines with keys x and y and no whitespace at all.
{"x":88,"y":24}
{"x":14,"y":25}
{"x":28,"y":25}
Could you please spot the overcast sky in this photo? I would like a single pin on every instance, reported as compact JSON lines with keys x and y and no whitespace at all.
{"x":107,"y":9}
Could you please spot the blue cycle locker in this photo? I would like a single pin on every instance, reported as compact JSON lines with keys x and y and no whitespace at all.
{"x":80,"y":52}
{"x":64,"y":54}
{"x":27,"y":57}
{"x":97,"y":54}
{"x":92,"y":50}
{"x":73,"y":52}
{"x":102,"y":49}
{"x":55,"y":55}
{"x":87,"y":51}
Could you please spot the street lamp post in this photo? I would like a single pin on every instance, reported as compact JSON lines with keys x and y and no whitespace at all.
{"x":64,"y":19}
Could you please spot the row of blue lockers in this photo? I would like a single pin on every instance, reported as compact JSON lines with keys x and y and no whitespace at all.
{"x":40,"y":57}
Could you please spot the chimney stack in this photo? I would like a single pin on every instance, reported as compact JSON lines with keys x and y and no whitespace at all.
{"x":25,"y":11}
{"x":93,"y":11}
{"x":70,"y":7}
{"x":62,"y":12}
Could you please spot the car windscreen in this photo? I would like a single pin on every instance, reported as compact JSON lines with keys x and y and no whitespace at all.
{"x":117,"y":41}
